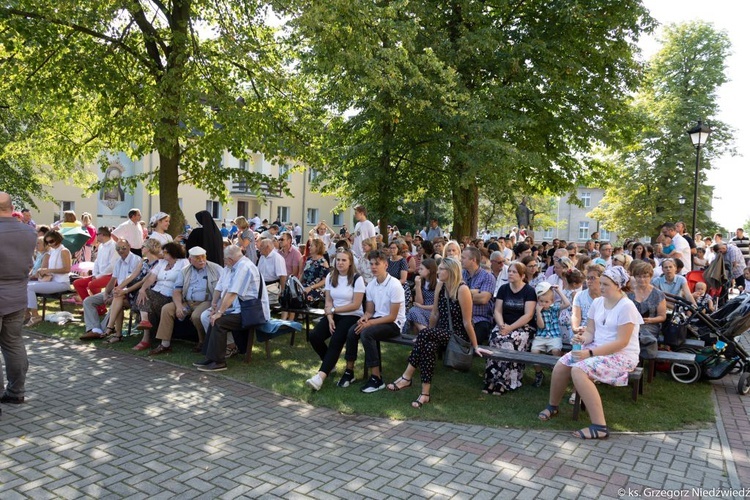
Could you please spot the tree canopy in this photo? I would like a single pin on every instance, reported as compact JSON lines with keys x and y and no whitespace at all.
{"x":658,"y":166}
{"x":189,"y":79}
{"x":443,"y":97}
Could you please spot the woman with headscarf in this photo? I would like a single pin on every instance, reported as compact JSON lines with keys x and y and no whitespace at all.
{"x":159,"y":224}
{"x":208,"y":237}
{"x":609,"y":351}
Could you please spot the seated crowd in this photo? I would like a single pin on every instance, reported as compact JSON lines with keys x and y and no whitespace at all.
{"x":506,"y":293}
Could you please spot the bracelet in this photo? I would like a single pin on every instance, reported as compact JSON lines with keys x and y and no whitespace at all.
{"x":591,"y":353}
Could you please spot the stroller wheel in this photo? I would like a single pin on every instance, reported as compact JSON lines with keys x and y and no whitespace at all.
{"x":743,"y":387}
{"x":685,"y":373}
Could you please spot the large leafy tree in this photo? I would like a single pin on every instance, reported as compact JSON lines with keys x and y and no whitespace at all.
{"x":658,"y":167}
{"x":447,"y":96}
{"x":188,"y":79}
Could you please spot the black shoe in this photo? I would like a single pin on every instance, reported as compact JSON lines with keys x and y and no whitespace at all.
{"x":346,"y":379}
{"x":213,"y":367}
{"x":11,"y":400}
{"x":538,"y":379}
{"x":374,"y":384}
{"x":205,"y":362}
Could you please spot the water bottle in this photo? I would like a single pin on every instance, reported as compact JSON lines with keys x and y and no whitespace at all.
{"x":576,"y":347}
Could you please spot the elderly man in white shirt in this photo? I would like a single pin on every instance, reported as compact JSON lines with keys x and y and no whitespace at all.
{"x":243,"y":282}
{"x":272,"y":267}
{"x":124,"y":267}
{"x":131,"y":231}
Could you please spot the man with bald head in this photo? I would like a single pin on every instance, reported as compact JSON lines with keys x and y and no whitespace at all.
{"x":273,"y":269}
{"x":16,"y":260}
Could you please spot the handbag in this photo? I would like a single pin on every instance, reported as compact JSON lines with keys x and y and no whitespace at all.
{"x":459,"y":354}
{"x":251,"y":310}
{"x":675,"y":329}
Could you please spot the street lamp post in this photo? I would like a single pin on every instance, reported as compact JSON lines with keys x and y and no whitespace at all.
{"x":698,"y":135}
{"x":682,"y":201}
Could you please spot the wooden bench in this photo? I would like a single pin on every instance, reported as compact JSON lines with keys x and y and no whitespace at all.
{"x":668,"y":357}
{"x":307,"y":313}
{"x":695,"y":343}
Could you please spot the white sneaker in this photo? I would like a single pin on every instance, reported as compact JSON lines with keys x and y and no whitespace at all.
{"x":314,"y":383}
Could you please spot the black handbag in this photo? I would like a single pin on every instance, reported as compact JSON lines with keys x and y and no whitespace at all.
{"x":675,"y":329}
{"x":251,"y":310}
{"x":459,"y":354}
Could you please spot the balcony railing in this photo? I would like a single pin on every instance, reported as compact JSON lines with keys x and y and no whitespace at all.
{"x":241,"y":187}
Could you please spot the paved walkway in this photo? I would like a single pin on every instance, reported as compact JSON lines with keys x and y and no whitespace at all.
{"x":103,"y":424}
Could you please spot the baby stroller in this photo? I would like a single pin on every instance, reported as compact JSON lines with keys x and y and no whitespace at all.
{"x":720,"y":332}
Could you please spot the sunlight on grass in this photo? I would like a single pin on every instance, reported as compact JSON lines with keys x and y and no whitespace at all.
{"x":456,"y":397}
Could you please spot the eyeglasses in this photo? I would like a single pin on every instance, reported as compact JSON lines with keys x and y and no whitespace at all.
{"x":532,"y":265}
{"x":496,"y":261}
{"x":592,"y":278}
{"x":571,"y":255}
{"x":121,"y":248}
{"x":50,"y":242}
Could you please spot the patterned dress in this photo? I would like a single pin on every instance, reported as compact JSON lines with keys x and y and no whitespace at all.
{"x":503,"y":376}
{"x":430,"y":340}
{"x":417,"y":315}
{"x":145,"y":269}
{"x":314,"y":272}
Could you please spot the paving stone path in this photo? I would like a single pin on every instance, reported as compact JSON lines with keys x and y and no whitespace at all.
{"x":103,"y":424}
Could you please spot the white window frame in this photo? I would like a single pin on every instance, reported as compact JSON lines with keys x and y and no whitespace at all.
{"x":583,"y":230}
{"x":586,"y":199}
{"x":284,"y":172}
{"x":312,"y":174}
{"x":315,"y":213}
{"x":214,"y":208}
{"x":338,"y":219}
{"x":283,"y":214}
{"x":549,"y":234}
{"x":604,"y":235}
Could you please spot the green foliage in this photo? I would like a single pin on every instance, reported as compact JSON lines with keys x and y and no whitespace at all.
{"x":190,"y":80}
{"x":658,"y":166}
{"x":18,"y":175}
{"x":435,"y":99}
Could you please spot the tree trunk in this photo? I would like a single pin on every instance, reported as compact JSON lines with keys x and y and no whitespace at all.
{"x":168,"y":189}
{"x":465,"y":211}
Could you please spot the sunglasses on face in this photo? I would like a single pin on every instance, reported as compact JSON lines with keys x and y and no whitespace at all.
{"x":50,"y":242}
{"x":121,"y":248}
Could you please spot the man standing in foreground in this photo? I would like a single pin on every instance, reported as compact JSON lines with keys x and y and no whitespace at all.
{"x":15,"y":264}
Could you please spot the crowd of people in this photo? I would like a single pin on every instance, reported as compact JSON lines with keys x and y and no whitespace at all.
{"x":503,"y":292}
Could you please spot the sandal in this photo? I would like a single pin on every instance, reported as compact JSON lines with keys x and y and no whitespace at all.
{"x":488,"y":389}
{"x":393,"y":386}
{"x":548,"y":413}
{"x":113,"y":339}
{"x":33,"y":321}
{"x":596,"y":431}
{"x":417,"y":403}
{"x":142,"y":346}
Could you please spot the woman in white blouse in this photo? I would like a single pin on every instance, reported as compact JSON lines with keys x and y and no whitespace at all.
{"x":53,"y":275}
{"x":609,"y":351}
{"x":344,"y":291}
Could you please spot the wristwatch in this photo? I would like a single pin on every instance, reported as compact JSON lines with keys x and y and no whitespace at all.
{"x":333,"y":310}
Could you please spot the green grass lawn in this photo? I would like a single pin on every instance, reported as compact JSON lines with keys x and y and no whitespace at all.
{"x":456,"y":397}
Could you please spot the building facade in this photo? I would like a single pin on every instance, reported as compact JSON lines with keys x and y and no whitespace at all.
{"x":573,"y":222}
{"x":110,"y":206}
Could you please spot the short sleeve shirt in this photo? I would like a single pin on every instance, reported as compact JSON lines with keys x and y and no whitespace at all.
{"x":607,"y":322}
{"x":382,"y":295}
{"x":343,"y":294}
{"x":514,"y":304}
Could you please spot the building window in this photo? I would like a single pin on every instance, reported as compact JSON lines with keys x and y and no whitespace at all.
{"x":214,"y":208}
{"x":549,"y":234}
{"x":284,"y":172}
{"x":312,"y":174}
{"x":338,"y":219}
{"x":62,"y":206}
{"x":604,"y":235}
{"x":179,"y":203}
{"x":282,"y":214}
{"x":583,"y":231}
{"x":586,"y":199}
{"x":242,"y":209}
{"x":312,"y":215}
{"x":243,"y":164}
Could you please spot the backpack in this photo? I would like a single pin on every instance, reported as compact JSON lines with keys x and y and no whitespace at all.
{"x":293,"y":296}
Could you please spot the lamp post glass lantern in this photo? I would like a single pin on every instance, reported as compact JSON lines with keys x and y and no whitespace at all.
{"x":698,"y":136}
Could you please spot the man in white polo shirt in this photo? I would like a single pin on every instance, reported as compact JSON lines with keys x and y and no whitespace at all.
{"x":384,"y":316}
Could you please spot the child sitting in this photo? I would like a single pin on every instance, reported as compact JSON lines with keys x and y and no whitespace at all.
{"x":703,"y":301}
{"x":548,"y":338}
